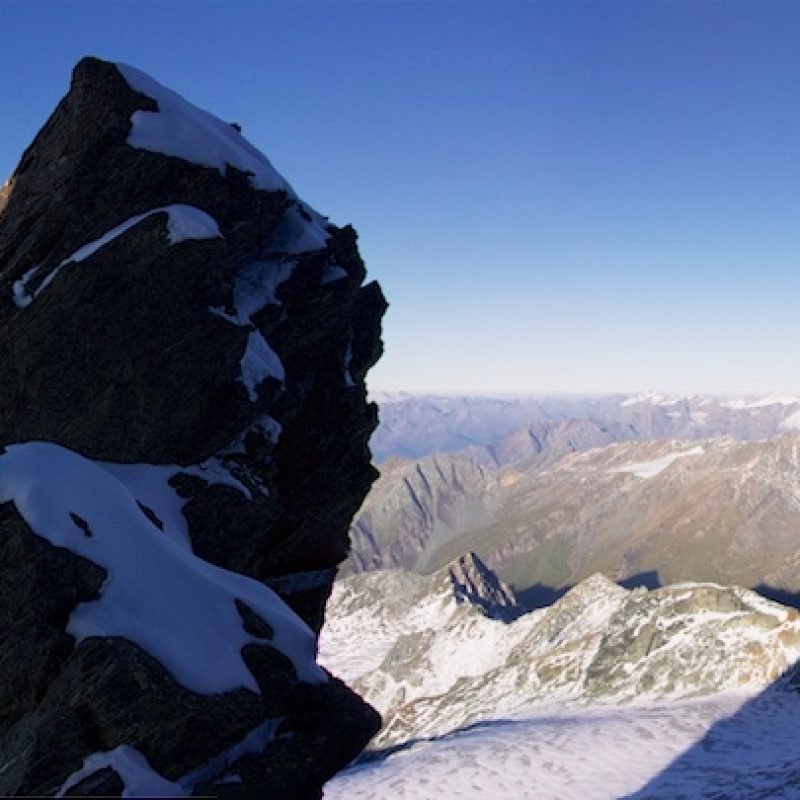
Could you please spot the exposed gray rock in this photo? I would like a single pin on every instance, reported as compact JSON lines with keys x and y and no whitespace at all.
{"x":436,"y":666}
{"x":473,"y":582}
{"x":652,"y":512}
{"x":416,"y":507}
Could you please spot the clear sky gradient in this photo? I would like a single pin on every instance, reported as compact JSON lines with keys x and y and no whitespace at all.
{"x":555,"y":196}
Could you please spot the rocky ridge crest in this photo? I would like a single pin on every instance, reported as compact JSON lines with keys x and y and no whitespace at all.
{"x":439,"y":665}
{"x":666,"y":511}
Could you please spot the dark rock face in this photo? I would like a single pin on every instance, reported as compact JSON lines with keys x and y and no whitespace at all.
{"x":130,"y":355}
{"x":474,"y":583}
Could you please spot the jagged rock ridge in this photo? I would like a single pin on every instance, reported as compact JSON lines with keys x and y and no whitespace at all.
{"x":178,"y":319}
{"x":473,"y":582}
{"x":432,"y":664}
{"x":669,"y":510}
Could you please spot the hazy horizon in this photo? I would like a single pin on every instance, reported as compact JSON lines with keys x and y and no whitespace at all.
{"x":550,"y":393}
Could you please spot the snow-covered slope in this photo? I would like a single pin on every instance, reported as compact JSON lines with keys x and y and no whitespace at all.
{"x":431,"y":665}
{"x":380,"y":609}
{"x":728,"y":747}
{"x":180,"y":609}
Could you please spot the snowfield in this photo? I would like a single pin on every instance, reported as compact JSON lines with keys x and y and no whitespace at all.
{"x":649,"y":469}
{"x":679,"y":692}
{"x":729,"y":747}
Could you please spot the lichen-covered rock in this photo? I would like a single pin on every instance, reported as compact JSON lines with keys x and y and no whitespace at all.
{"x":171,"y":311}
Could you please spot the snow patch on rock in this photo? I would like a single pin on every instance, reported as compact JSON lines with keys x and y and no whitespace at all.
{"x":139,"y":778}
{"x":184,"y":131}
{"x":177,"y":607}
{"x":259,"y":362}
{"x":254,"y":289}
{"x":150,"y":485}
{"x":649,"y":469}
{"x":302,"y":230}
{"x":183,"y":222}
{"x":333,"y":273}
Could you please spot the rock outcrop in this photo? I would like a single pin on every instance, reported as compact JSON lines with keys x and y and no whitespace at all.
{"x":416,"y":507}
{"x":437,"y":664}
{"x":192,"y":339}
{"x":474,"y":583}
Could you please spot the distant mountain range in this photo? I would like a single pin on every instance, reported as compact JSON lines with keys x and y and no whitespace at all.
{"x":413,"y":426}
{"x":648,"y":490}
{"x":547,"y":595}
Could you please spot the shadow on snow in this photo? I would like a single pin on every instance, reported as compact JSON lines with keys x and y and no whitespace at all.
{"x":752,"y":754}
{"x":749,"y":755}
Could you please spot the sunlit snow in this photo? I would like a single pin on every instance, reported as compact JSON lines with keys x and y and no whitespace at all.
{"x":729,"y":746}
{"x":762,"y":402}
{"x":656,"y":399}
{"x":649,"y":469}
{"x":644,"y":397}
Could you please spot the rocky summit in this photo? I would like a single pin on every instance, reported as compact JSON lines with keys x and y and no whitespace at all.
{"x":183,"y":346}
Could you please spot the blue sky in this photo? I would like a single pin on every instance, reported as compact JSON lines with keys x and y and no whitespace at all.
{"x":555,"y":196}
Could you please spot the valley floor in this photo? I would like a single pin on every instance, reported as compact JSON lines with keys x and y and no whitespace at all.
{"x":727,"y":747}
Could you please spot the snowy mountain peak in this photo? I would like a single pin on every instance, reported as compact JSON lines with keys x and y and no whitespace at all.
{"x":590,"y":588}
